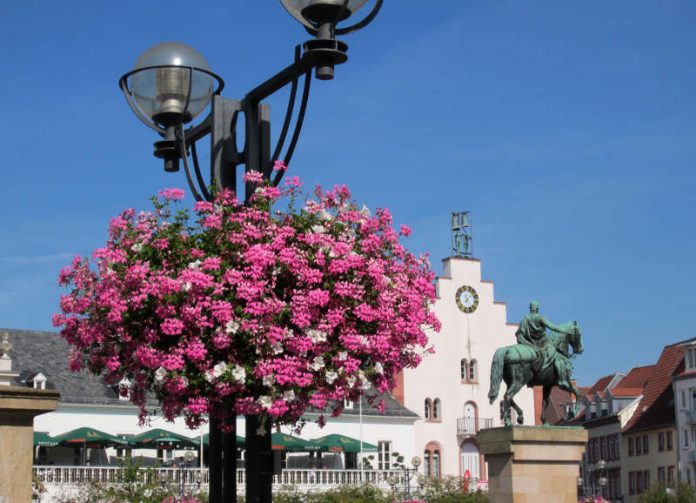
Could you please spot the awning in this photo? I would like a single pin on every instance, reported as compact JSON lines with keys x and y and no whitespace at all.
{"x":342,"y":443}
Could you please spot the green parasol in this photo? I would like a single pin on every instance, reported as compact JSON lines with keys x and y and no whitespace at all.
{"x":241,"y":442}
{"x":342,"y":443}
{"x":159,"y":438}
{"x":42,"y":439}
{"x":89,"y":437}
{"x":290,"y":443}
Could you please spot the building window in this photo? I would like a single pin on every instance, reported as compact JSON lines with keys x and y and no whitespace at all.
{"x":437,"y":412}
{"x":473,"y":371}
{"x":593,"y":411}
{"x":661,"y":441}
{"x":686,"y":439}
{"x":661,"y":474}
{"x":631,"y":482}
{"x":669,"y":440}
{"x":383,"y":455}
{"x":670,"y":475}
{"x":639,"y":446}
{"x":431,"y":458}
{"x":683,"y":399}
{"x":639,"y":482}
{"x":428,"y":408}
{"x":464,"y":369}
{"x":630,"y":446}
{"x":605,"y":408}
{"x":646,"y":444}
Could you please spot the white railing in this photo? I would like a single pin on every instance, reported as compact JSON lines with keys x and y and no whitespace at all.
{"x":471,"y":425}
{"x":303,"y":479}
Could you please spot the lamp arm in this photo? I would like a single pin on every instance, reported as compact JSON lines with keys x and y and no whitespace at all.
{"x":288,"y":112}
{"x":364,"y":22}
{"x":298,"y":127}
{"x":187,"y":169}
{"x":277,"y":81}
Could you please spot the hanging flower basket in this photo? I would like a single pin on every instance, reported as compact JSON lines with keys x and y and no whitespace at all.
{"x":238,"y":309}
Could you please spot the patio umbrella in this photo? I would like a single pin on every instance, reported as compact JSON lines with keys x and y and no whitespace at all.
{"x":281,"y":441}
{"x":241,"y":442}
{"x":342,"y":443}
{"x":42,"y":439}
{"x":159,"y":438}
{"x":89,"y":437}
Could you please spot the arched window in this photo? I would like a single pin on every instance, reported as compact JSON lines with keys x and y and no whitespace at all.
{"x":432,"y":460}
{"x":437,"y":409}
{"x":428,"y":409}
{"x":464,"y":369}
{"x":436,"y":464}
{"x":472,"y":375}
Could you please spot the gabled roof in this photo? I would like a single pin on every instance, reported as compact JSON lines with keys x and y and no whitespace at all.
{"x":47,"y":352}
{"x":601,"y":384}
{"x":657,"y":407}
{"x":636,"y":378}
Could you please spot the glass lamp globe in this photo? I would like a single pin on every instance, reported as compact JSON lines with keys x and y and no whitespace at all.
{"x":172,"y":83}
{"x":322,"y":11}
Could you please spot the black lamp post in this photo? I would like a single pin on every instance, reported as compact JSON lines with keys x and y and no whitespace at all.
{"x":169,"y":87}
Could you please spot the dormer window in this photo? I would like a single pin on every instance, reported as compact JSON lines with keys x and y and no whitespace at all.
{"x":593,"y":411}
{"x":38,"y":381}
{"x":690,"y":360}
{"x":605,"y":408}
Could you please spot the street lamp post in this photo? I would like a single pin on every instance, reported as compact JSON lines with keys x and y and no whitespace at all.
{"x":169,"y":87}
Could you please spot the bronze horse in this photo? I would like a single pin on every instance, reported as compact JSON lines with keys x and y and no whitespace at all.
{"x":517,"y":365}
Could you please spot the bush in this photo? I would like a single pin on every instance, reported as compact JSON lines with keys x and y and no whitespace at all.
{"x":659,"y":493}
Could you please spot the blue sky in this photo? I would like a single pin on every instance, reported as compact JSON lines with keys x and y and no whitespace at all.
{"x":567,"y":128}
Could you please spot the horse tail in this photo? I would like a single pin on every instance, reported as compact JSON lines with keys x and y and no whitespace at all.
{"x":496,"y":373}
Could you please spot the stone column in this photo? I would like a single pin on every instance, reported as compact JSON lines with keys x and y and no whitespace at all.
{"x":533,"y":464}
{"x":18,"y":407}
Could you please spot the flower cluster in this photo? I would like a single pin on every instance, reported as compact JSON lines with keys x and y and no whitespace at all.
{"x":239,"y":309}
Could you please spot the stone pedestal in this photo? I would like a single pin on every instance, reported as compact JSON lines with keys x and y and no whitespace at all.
{"x":18,"y":407}
{"x":533,"y":464}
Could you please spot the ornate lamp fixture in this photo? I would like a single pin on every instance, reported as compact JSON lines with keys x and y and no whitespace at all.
{"x":171,"y":84}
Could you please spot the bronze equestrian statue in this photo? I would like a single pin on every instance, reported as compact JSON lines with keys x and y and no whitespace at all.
{"x":538,"y":358}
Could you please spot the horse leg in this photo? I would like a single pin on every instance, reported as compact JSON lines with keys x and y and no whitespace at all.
{"x":567,"y":386}
{"x":545,"y":403}
{"x":519,"y":411}
{"x":512,"y":390}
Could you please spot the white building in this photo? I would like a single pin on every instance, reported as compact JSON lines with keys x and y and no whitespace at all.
{"x":684,"y":385}
{"x":449,"y":389}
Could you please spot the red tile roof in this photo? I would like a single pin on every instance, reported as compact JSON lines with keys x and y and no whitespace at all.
{"x":625,"y":392}
{"x":601,"y":384}
{"x":636,"y":378}
{"x":655,"y":407}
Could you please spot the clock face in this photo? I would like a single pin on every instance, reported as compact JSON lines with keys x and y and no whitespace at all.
{"x":467,"y":299}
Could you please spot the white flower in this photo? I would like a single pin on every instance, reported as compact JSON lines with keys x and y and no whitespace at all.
{"x":364,"y":382}
{"x":265,"y":401}
{"x":318,"y":363}
{"x":331,"y":376}
{"x":343,"y":356}
{"x":268,"y":380}
{"x":277,"y":348}
{"x":316,"y":335}
{"x":325,"y":215}
{"x":378,"y":368}
{"x":187,"y":286}
{"x":160,"y":375}
{"x":219,"y":369}
{"x":350,"y":381}
{"x":184,"y":381}
{"x":289,"y":396}
{"x":363,"y":340}
{"x":195,"y":265}
{"x":318,"y":229}
{"x":238,"y":373}
{"x":231,"y":327}
{"x":365,"y":211}
{"x":137,"y":247}
{"x":210,"y":376}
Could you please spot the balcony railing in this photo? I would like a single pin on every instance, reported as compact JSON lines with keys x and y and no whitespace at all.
{"x":471,"y":425}
{"x":62,"y":479}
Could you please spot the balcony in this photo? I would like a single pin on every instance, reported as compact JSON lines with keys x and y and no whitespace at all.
{"x":470,"y":425}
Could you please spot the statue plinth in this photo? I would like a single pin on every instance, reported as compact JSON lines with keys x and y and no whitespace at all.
{"x":18,"y":407}
{"x":532,"y":464}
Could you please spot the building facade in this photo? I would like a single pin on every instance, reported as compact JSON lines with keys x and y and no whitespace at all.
{"x":684,"y":385}
{"x":449,"y":390}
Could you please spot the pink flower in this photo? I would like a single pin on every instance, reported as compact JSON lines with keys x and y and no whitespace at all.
{"x":171,"y":194}
{"x":253,"y":177}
